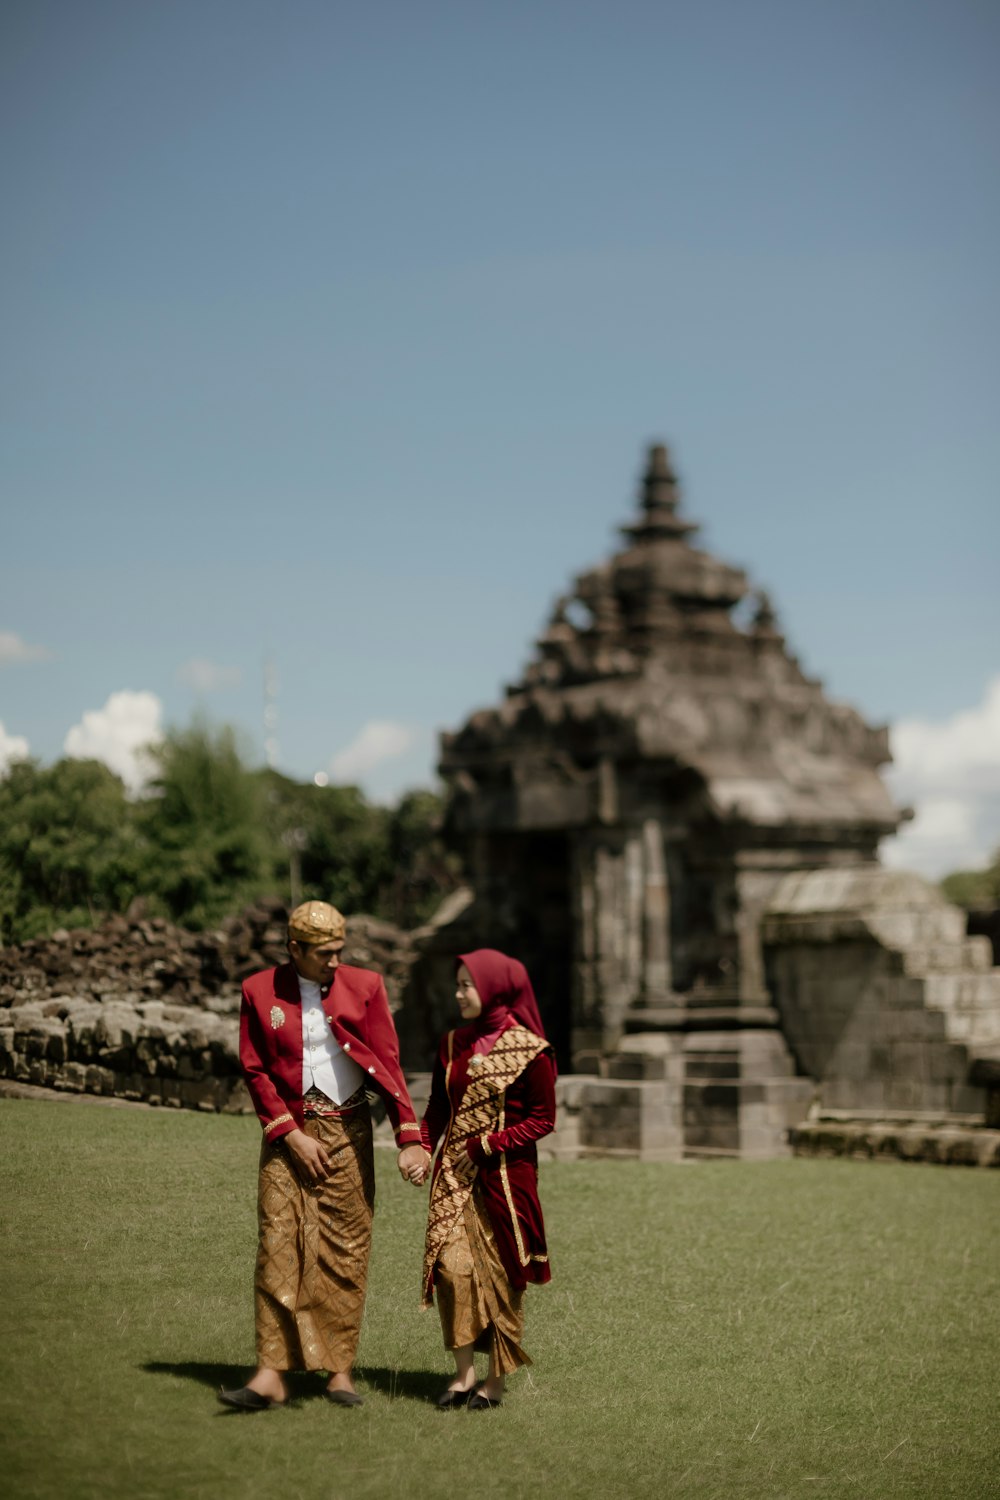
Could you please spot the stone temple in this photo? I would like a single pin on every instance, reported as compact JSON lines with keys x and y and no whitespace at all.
{"x":677,"y":831}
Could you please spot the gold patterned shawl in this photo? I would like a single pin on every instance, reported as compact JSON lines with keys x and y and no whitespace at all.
{"x":479,"y":1113}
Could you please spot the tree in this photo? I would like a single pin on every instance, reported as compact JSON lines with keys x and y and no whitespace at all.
{"x":69,"y":847}
{"x":337,"y":841}
{"x":975,"y":888}
{"x":204,"y":825}
{"x":209,"y":836}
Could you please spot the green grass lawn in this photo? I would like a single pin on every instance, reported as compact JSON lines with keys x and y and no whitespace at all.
{"x":784,"y":1329}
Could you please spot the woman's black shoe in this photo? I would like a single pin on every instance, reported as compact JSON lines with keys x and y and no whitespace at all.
{"x":479,"y":1402}
{"x":454,"y":1398}
{"x":247,"y":1400}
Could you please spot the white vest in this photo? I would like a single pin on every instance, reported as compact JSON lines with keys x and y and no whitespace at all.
{"x":325,"y":1065}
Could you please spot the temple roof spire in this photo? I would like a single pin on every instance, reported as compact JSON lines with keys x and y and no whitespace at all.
{"x":659,"y":497}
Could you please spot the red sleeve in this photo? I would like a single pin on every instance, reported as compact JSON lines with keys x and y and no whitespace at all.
{"x":384,"y":1043}
{"x":438,"y":1110}
{"x":267,"y":1101}
{"x":537,"y":1085}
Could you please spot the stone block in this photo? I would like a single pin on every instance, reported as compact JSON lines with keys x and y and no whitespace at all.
{"x":73,"y":1077}
{"x":99,"y":1080}
{"x":757,"y":1143}
{"x":708,"y":1066}
{"x":570,"y":1090}
{"x":910,"y":1060}
{"x":634,"y":1065}
{"x":908,"y":1093}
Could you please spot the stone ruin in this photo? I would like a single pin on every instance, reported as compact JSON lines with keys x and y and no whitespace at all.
{"x":677,"y":831}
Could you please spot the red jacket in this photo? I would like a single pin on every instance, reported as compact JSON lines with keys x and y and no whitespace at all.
{"x":357,"y":1009}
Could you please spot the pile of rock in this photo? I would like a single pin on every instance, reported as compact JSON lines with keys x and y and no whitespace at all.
{"x":136,"y":957}
{"x":141,"y":1009}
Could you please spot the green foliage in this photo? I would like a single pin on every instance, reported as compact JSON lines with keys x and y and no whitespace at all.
{"x":204,"y":827}
{"x":209,"y":836}
{"x":389,"y":862}
{"x":338,"y":841}
{"x":974,"y":888}
{"x":69,"y":847}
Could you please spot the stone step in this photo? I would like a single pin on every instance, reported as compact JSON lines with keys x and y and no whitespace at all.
{"x":700,"y":1067}
{"x":929,"y":926}
{"x":976,"y":1031}
{"x":967,"y":992}
{"x":702,"y":1018}
{"x":950,"y":1144}
{"x":973,"y":955}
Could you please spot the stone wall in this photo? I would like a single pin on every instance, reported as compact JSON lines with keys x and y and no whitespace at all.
{"x":139,"y":1009}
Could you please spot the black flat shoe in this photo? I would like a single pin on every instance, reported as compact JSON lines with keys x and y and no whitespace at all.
{"x":247,"y":1400}
{"x":479,"y":1402}
{"x":448,"y":1399}
{"x":344,"y":1398}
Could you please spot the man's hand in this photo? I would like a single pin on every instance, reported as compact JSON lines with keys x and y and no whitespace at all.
{"x":308,"y":1156}
{"x":414,"y":1163}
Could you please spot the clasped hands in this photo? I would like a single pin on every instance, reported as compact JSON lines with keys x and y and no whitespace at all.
{"x":414,"y":1163}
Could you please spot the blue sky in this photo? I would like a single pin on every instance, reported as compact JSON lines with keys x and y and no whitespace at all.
{"x":334,"y":335}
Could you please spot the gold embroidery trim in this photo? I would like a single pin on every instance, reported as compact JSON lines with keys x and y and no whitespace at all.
{"x":484,"y":1141}
{"x":277,"y":1017}
{"x":524,"y":1259}
{"x":412,"y":1126}
{"x":451,"y":1107}
{"x":275,"y":1123}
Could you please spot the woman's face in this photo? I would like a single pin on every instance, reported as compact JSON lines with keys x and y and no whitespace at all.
{"x":467,"y":995}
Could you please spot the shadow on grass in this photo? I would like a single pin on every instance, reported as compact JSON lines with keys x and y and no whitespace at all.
{"x":409,"y":1385}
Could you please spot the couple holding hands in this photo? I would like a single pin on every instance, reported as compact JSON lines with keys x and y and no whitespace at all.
{"x":315,"y":1036}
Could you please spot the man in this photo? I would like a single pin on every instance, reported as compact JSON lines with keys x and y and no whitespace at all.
{"x":314,"y":1035}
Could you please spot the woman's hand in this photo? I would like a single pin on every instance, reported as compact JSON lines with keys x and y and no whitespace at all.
{"x":308,"y":1157}
{"x":462,"y":1165}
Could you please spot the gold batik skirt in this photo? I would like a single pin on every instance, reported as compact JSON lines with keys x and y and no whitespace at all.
{"x":476,"y":1302}
{"x":312,"y":1254}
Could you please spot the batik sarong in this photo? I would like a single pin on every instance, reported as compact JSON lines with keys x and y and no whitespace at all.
{"x":476,"y":1302}
{"x":312,"y":1256}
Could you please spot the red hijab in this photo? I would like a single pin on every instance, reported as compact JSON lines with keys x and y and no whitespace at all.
{"x":505,"y":991}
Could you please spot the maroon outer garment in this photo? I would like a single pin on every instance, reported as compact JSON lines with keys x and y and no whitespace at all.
{"x":357,"y":1010}
{"x":508,"y":1175}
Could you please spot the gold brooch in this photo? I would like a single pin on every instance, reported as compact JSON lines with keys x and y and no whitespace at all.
{"x":277,"y":1017}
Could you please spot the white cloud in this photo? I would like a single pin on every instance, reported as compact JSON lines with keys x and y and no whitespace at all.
{"x":118,"y":735}
{"x":14,"y":650}
{"x":380,"y":740}
{"x":950,"y":773}
{"x":207,"y":676}
{"x":12,"y":747}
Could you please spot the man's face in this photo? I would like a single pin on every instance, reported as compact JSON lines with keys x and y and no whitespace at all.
{"x":317,"y":961}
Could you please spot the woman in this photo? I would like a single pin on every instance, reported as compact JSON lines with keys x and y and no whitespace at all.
{"x":492,"y":1097}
